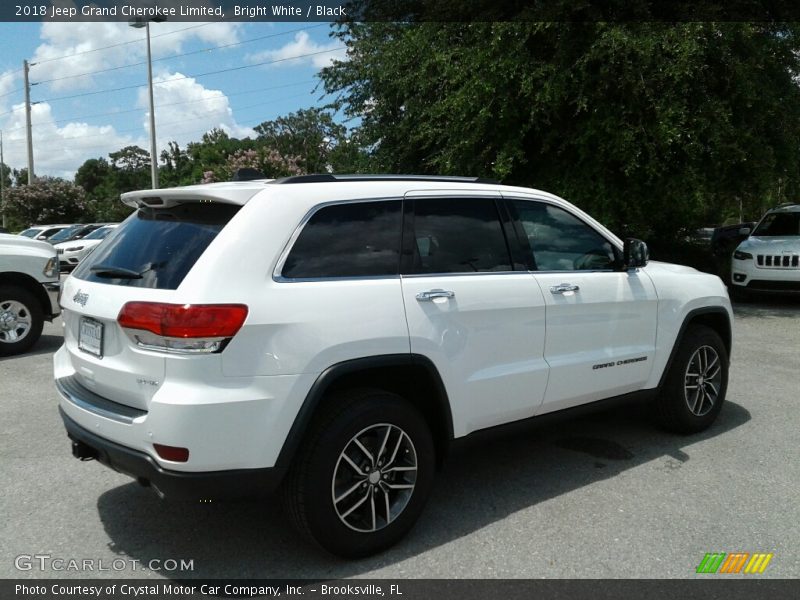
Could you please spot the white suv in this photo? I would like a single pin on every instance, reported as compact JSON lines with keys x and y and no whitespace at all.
{"x":330,"y":335}
{"x":29,"y":287}
{"x":769,"y":260}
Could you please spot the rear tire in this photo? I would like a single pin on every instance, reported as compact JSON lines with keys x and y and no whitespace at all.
{"x":21,"y":320}
{"x":363,"y":474}
{"x":696,"y":383}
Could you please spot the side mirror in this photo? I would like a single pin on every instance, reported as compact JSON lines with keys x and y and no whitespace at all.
{"x":634,"y":254}
{"x":744,"y":231}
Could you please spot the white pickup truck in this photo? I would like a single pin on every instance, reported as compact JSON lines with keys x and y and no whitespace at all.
{"x":29,"y":286}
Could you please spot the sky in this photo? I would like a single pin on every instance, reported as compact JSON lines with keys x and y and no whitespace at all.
{"x":89,"y":84}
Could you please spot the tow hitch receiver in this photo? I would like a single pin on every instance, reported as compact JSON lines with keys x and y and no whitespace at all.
{"x":83,"y":452}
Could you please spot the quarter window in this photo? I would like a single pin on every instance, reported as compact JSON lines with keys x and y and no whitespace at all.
{"x":560,"y":241}
{"x":359,"y":239}
{"x":458,"y":235}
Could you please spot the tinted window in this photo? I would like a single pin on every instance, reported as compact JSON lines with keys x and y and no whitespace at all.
{"x":99,"y":234}
{"x":458,"y":235}
{"x":779,"y":224}
{"x":161,"y":245}
{"x":359,"y":239}
{"x":66,"y":234}
{"x":560,"y":241}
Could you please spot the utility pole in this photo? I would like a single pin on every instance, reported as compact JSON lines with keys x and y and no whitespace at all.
{"x":139,"y":23}
{"x":26,"y":68}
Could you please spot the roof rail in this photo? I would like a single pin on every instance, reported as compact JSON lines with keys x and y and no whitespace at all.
{"x":329,"y":178}
{"x":247,"y":174}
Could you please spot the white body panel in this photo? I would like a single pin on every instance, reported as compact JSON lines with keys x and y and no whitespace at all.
{"x":592,"y":331}
{"x":489,"y":336}
{"x":19,"y":254}
{"x":495,"y":344}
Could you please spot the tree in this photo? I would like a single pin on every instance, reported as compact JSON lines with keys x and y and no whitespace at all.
{"x":5,"y":174}
{"x":210,"y":156}
{"x":20,"y":176}
{"x":309,"y":137}
{"x":46,"y":200}
{"x":103,"y":184}
{"x":177,"y":167}
{"x":653,"y":127}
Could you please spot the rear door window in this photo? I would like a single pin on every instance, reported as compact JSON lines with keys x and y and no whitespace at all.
{"x":458,"y":235}
{"x":156,"y":247}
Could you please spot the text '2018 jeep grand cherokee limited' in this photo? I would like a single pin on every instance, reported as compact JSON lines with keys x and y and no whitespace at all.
{"x":330,"y":335}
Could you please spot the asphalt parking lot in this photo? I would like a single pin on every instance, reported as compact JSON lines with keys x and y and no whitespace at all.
{"x":604,"y":496}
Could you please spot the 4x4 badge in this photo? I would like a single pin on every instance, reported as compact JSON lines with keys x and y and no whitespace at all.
{"x":80,"y":298}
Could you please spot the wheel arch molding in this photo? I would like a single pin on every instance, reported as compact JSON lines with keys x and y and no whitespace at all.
{"x":715,"y":317}
{"x":412,"y":376}
{"x":28,"y":283}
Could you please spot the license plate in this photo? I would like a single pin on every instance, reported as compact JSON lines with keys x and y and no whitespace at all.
{"x":90,"y":337}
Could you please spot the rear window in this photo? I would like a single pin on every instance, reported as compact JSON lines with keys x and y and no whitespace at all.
{"x":156,"y":248}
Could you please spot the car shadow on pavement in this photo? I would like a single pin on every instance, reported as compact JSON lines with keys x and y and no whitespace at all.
{"x":47,"y":344}
{"x":778,"y":306}
{"x":481,"y":483}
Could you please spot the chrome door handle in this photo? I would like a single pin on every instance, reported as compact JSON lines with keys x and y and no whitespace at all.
{"x":424,"y":296}
{"x":564,"y":287}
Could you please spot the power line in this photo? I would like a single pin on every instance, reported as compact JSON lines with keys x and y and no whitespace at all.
{"x":11,"y":92}
{"x":204,"y":114}
{"x":201,"y":51}
{"x":13,"y":110}
{"x":239,"y":68}
{"x":136,"y":41}
{"x":136,"y":110}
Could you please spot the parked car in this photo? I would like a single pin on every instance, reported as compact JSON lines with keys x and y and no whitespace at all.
{"x":42,"y":232}
{"x":768,"y":261}
{"x":329,"y":336}
{"x":29,"y":286}
{"x":723,"y":242}
{"x":72,"y":252}
{"x":75,"y":232}
{"x":726,"y":237}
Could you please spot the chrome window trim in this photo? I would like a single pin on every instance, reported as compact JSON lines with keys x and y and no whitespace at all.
{"x":277,"y":272}
{"x":464,"y":274}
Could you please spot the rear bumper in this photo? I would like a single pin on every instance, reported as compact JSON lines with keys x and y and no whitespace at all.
{"x":213,"y":485}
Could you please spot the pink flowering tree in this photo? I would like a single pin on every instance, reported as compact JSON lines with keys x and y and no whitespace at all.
{"x":46,"y":200}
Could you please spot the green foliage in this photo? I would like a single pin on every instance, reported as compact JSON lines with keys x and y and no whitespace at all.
{"x":652,"y":127}
{"x":104,"y":182}
{"x":46,"y":200}
{"x":311,"y":139}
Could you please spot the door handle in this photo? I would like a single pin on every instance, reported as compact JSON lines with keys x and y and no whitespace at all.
{"x":564,"y":287}
{"x":430,"y":295}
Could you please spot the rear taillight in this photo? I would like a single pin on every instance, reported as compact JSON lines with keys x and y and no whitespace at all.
{"x":184,"y":328}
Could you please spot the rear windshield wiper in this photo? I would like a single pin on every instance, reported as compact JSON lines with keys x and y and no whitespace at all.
{"x":116,"y":272}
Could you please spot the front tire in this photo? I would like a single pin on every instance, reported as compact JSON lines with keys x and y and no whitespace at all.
{"x":21,"y":320}
{"x":363,"y":475}
{"x":696,"y":383}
